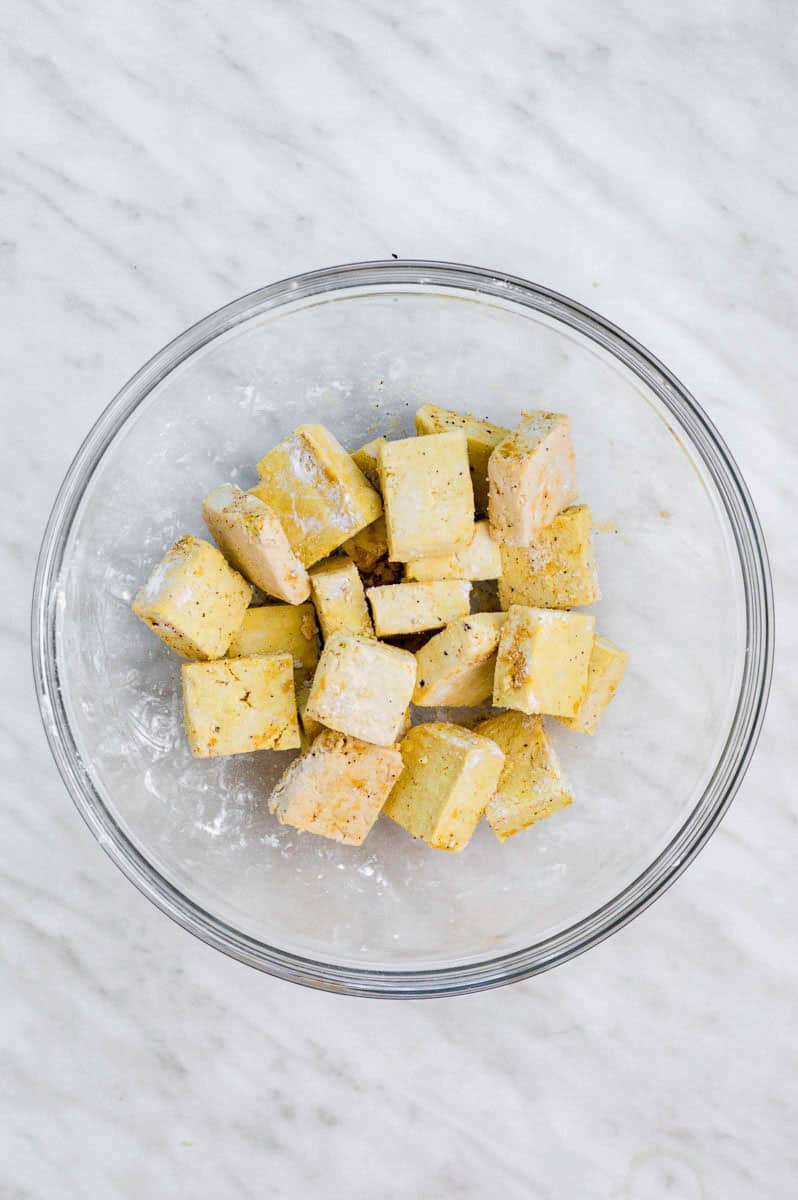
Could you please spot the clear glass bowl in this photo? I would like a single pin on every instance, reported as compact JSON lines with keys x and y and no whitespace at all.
{"x":686,"y":591}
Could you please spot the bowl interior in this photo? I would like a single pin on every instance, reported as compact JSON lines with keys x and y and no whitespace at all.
{"x":360,"y":360}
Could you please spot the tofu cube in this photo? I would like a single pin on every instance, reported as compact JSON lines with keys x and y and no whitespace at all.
{"x":362,"y":687}
{"x":531,"y":785}
{"x":557,"y":569}
{"x":532,"y":477}
{"x":482,"y":437}
{"x":428,"y":497}
{"x":450,"y":775}
{"x":604,"y":673}
{"x":456,"y":666}
{"x":480,"y":559}
{"x":411,"y":607}
{"x":366,"y":459}
{"x":340,"y":599}
{"x":320,"y":497}
{"x":236,"y":705}
{"x":542,"y":661}
{"x":337,"y":788}
{"x":253,"y":541}
{"x":279,"y":629}
{"x":193,"y":599}
{"x":369,"y":546}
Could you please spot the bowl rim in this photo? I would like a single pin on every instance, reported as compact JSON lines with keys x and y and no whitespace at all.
{"x":417,"y":275}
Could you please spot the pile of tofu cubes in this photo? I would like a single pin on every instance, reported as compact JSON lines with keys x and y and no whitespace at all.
{"x":387,"y":543}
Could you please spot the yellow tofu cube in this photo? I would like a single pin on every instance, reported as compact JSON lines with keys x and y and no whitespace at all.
{"x":605,"y":671}
{"x":456,"y":666}
{"x":532,"y":477}
{"x":542,"y":661}
{"x":193,"y":599}
{"x":236,"y":705}
{"x":558,"y":567}
{"x":254,"y":542}
{"x":482,"y":437}
{"x":320,"y":497}
{"x":450,"y":775}
{"x":279,"y":629}
{"x":428,"y":497}
{"x":369,"y":546}
{"x":366,"y":459}
{"x":531,"y":785}
{"x":363,"y":688}
{"x":340,"y":599}
{"x":411,"y":607}
{"x":337,"y":788}
{"x":480,"y":559}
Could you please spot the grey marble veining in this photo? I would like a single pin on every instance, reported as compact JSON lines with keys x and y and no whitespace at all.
{"x":158,"y":160}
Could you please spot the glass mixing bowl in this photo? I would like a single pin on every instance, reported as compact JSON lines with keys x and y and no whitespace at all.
{"x":686,"y":590}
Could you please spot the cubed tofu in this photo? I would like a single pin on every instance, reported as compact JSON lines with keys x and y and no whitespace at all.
{"x":482,"y":438}
{"x":532,"y":477}
{"x":456,"y":666}
{"x":428,"y":497}
{"x":531,"y":785}
{"x":340,"y":599}
{"x":369,"y":546}
{"x":479,"y":560}
{"x":279,"y":629}
{"x":236,"y":705}
{"x":542,"y":661}
{"x":605,"y":671}
{"x":412,"y":607}
{"x":337,"y":788}
{"x":557,"y":569}
{"x":450,"y":775}
{"x":193,"y":599}
{"x":318,"y":493}
{"x":254,"y":542}
{"x":363,"y":688}
{"x":308,"y":728}
{"x":366,"y":459}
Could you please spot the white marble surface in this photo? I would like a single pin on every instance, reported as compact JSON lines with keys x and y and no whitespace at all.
{"x":159,"y":159}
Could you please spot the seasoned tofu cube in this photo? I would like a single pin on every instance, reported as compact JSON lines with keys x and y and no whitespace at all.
{"x":366,"y":459}
{"x":542,"y":662}
{"x":604,"y":673}
{"x":337,"y":788}
{"x":320,"y":497}
{"x":480,"y":559}
{"x":482,"y":438}
{"x":531,"y":785}
{"x":456,"y":666}
{"x":236,"y":705}
{"x":254,"y":542}
{"x":411,"y":607}
{"x":339,"y":598}
{"x":428,"y":497}
{"x":193,"y":599}
{"x":532,"y":477}
{"x":557,"y":569}
{"x":369,"y":546}
{"x":450,"y":775}
{"x":279,"y":629}
{"x":362,"y":687}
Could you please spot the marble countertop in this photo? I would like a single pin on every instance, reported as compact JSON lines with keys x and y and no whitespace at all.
{"x":160,"y":159}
